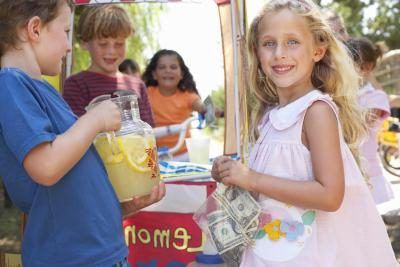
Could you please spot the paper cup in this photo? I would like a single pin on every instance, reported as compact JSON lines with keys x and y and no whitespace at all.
{"x":198,"y":150}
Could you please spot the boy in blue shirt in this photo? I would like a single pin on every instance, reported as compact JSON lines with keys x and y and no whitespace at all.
{"x":47,"y":161}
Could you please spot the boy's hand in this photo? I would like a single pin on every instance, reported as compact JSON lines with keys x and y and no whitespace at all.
{"x":107,"y":115}
{"x":137,"y":203}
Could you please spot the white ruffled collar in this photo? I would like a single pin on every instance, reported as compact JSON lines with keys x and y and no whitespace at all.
{"x":283,"y":117}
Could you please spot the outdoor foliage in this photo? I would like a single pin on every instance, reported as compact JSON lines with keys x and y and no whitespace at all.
{"x":386,"y":24}
{"x":217,"y":129}
{"x":218,"y":98}
{"x":145,"y":18}
{"x":382,"y":27}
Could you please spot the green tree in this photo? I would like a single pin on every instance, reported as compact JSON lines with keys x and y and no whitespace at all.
{"x":217,"y":128}
{"x":382,"y":27}
{"x":145,"y":18}
{"x":218,"y":97}
{"x":386,"y":24}
{"x":352,"y":12}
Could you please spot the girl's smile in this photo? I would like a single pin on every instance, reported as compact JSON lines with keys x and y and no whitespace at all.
{"x":282,"y":69}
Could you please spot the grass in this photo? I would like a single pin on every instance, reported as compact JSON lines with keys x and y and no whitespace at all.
{"x":10,"y":223}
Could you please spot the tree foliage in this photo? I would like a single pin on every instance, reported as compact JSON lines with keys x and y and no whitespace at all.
{"x":384,"y":26}
{"x":218,"y":97}
{"x":145,"y":18}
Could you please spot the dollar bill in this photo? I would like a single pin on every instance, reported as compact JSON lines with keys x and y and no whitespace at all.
{"x":226,"y":234}
{"x":232,"y":257}
{"x":239,"y":204}
{"x":234,"y":222}
{"x":215,"y":216}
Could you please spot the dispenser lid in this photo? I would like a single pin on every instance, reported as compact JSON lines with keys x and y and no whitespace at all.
{"x":209,"y":259}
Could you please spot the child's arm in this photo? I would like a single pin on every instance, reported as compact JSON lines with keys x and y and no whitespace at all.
{"x":374,"y":115}
{"x":324,"y":193}
{"x":48,"y":162}
{"x":199,"y":106}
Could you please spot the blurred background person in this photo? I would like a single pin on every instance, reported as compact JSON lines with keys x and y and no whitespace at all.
{"x":172,"y":94}
{"x":336,"y":22}
{"x":376,"y":102}
{"x":130,"y":67}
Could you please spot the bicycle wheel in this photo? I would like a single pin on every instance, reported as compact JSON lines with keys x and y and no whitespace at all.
{"x":391,"y":160}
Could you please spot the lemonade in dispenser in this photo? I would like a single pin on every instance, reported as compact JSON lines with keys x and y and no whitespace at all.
{"x":129,"y":155}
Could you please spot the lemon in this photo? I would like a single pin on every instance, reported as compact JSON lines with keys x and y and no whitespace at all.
{"x":114,"y":159}
{"x":104,"y":148}
{"x":135,"y":149}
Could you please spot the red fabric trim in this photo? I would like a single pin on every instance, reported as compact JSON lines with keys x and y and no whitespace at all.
{"x":81,"y":2}
{"x":85,"y":2}
{"x":220,"y":2}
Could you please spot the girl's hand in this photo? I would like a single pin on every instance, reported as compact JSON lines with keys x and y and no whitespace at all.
{"x":107,"y":115}
{"x":137,"y":203}
{"x":215,"y":170}
{"x":231,"y":172}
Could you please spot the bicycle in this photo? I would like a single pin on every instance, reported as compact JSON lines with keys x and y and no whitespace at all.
{"x":389,"y":145}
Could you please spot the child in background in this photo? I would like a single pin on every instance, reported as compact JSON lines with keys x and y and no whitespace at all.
{"x":47,"y":161}
{"x":102,"y":31}
{"x":130,"y":67}
{"x":336,"y":22}
{"x":172,"y":94}
{"x":317,"y":209}
{"x":365,"y":55}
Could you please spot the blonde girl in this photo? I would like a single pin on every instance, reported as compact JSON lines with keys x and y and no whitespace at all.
{"x":317,"y":209}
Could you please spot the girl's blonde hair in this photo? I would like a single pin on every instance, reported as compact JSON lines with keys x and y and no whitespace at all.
{"x":334,"y":74}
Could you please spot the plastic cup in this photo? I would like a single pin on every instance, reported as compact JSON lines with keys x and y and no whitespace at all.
{"x":198,"y":150}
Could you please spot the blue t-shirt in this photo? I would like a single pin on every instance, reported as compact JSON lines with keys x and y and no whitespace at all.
{"x":77,"y":221}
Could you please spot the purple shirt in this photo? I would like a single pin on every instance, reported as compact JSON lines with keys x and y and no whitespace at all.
{"x":79,"y":89}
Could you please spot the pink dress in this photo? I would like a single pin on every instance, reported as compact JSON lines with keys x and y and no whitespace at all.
{"x":353,"y":236}
{"x":370,"y":98}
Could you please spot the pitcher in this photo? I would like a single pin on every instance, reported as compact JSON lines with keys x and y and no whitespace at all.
{"x":129,"y":155}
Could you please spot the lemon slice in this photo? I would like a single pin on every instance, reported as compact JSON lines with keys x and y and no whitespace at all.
{"x":114,"y":159}
{"x":134,"y":149}
{"x":105,"y":151}
{"x":137,"y":167}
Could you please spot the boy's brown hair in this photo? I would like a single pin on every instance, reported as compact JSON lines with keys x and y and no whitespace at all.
{"x":16,"y":13}
{"x":104,"y":21}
